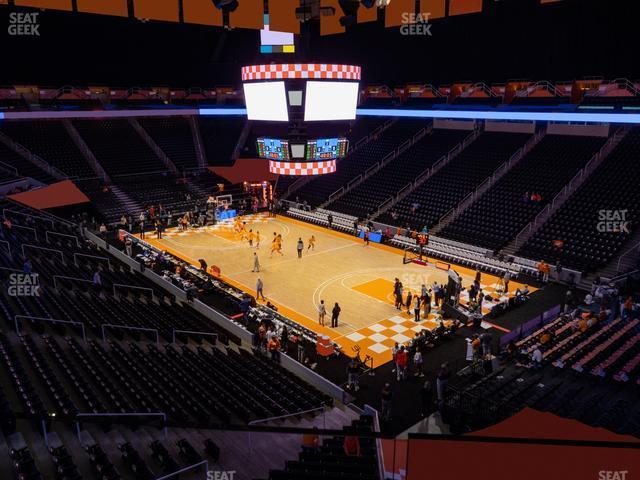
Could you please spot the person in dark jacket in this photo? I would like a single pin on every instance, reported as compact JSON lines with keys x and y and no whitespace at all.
{"x":335,"y":313}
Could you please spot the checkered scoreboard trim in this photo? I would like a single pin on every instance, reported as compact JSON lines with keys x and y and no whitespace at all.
{"x":301,"y":70}
{"x":302,"y":168}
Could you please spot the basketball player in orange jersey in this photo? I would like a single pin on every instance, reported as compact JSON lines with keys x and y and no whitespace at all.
{"x":279,"y":244}
{"x":243,"y":231}
{"x":258,"y":239}
{"x":250,"y":237}
{"x":312,"y":243}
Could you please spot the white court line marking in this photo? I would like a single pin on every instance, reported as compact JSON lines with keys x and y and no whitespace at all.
{"x":324,"y":285}
{"x":294,"y":259}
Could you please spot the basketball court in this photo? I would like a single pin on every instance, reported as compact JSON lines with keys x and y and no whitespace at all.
{"x":340,"y":269}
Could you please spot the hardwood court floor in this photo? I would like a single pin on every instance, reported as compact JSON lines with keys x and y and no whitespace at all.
{"x":340,"y":269}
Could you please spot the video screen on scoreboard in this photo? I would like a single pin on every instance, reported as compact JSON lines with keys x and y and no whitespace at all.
{"x":273,"y":149}
{"x":327,"y":148}
{"x":331,"y":101}
{"x":266,"y":101}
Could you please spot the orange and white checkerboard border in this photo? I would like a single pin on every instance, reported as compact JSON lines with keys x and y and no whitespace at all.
{"x":301,"y":70}
{"x":302,"y":168}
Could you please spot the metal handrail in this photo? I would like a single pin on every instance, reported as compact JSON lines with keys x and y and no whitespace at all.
{"x":42,"y":248}
{"x":133,"y":287}
{"x":76,"y":279}
{"x":8,"y":245}
{"x":631,"y":250}
{"x":193,"y":332}
{"x":35,"y":232}
{"x":48,"y":232}
{"x":372,"y":168}
{"x":130,"y":414}
{"x":10,"y":168}
{"x":376,"y":428}
{"x":186,"y":469}
{"x":127,"y":327}
{"x":91,"y":256}
{"x":467,"y":197}
{"x":402,"y":190}
{"x":53,"y":320}
{"x":280,"y":417}
{"x":524,"y":231}
{"x":334,"y":194}
{"x":390,"y":199}
{"x":358,"y":178}
{"x":446,"y":215}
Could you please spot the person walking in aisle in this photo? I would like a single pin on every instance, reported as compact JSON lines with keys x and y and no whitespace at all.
{"x":426,"y":398}
{"x":259,"y":289}
{"x":128,"y":245}
{"x":335,"y":313}
{"x":386,"y":400}
{"x":353,"y":372}
{"x":441,"y":381}
{"x":417,"y":362}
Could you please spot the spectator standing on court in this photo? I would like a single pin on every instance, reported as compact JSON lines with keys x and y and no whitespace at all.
{"x":436,"y":293}
{"x":408,"y":301}
{"x":256,"y":262}
{"x":322,"y":311}
{"x":416,"y":308}
{"x":427,"y":304}
{"x":259,"y":289}
{"x":300,"y":247}
{"x":335,"y":313}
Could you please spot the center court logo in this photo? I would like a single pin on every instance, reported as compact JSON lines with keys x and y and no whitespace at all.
{"x":414,"y":279}
{"x":24,"y":24}
{"x":415,"y":24}
{"x":24,"y":285}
